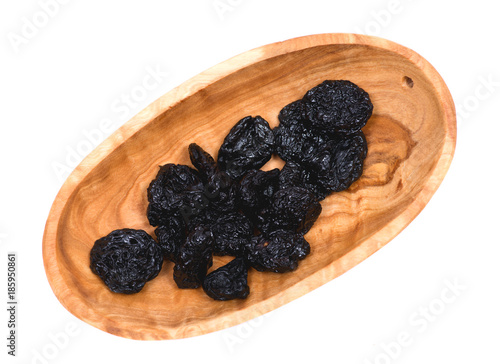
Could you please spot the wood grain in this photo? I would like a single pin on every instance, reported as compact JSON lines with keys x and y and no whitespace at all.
{"x":411,"y":140}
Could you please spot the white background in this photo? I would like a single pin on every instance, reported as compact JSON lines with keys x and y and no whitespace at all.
{"x":67,"y":71}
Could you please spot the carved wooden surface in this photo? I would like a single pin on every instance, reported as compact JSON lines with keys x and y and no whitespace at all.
{"x":411,"y":140}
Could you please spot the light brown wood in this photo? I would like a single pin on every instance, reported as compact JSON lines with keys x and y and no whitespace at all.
{"x":411,"y":140}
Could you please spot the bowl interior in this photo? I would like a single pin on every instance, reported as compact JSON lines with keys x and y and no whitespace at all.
{"x":405,"y":136}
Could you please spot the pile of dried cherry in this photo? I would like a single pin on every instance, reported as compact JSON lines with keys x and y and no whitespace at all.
{"x":230,"y":206}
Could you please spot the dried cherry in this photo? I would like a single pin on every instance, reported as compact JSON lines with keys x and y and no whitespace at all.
{"x":337,"y":107}
{"x":171,"y":235}
{"x":338,"y":164}
{"x":231,"y":232}
{"x":249,"y":145}
{"x":228,"y":282}
{"x":278,"y":251}
{"x":294,"y":209}
{"x":126,"y":259}
{"x":175,"y":189}
{"x":194,"y":258}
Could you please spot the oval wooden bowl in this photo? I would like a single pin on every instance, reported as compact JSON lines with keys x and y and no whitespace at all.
{"x":411,"y":139}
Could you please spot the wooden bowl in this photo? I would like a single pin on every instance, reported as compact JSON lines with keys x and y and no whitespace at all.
{"x":411,"y":139}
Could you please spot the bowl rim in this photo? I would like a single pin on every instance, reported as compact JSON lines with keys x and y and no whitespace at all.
{"x":189,"y":88}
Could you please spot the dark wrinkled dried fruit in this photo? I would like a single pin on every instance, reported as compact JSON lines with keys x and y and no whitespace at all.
{"x":294,"y":175}
{"x":256,"y":189}
{"x":231,"y":232}
{"x":296,"y":141}
{"x":206,"y":218}
{"x":171,"y":235}
{"x":177,"y":190}
{"x":338,"y":165}
{"x":202,"y":161}
{"x":228,"y":282}
{"x":249,"y":145}
{"x":279,"y":251}
{"x":337,"y":107}
{"x":221,"y":192}
{"x":126,"y":259}
{"x":194,"y":259}
{"x":293,"y":112}
{"x":294,"y":209}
